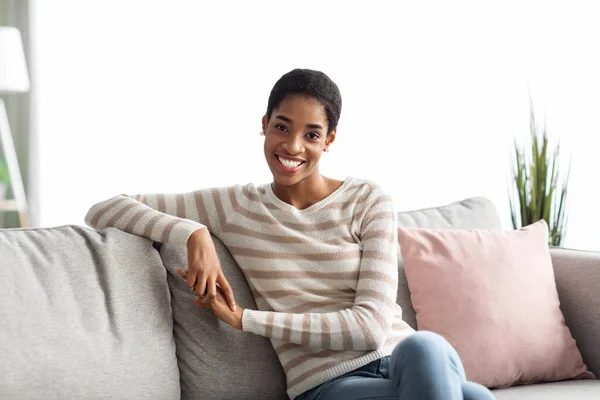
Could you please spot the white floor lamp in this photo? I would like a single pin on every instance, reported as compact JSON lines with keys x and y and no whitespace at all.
{"x":13,"y":79}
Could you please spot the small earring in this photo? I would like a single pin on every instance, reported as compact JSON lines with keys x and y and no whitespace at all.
{"x":326,"y":150}
{"x":262,"y":133}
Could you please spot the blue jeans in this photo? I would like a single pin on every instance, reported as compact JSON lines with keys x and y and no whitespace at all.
{"x":424,"y":366}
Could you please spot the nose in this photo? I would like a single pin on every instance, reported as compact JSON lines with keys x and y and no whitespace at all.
{"x":293,"y":144}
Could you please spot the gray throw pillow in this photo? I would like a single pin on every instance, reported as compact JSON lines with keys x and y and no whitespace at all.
{"x":471,"y":213}
{"x":216,"y":361}
{"x":84,"y":315}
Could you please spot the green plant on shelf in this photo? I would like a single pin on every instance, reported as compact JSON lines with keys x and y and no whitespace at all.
{"x":4,"y":179}
{"x":539,"y":190}
{"x":4,"y":175}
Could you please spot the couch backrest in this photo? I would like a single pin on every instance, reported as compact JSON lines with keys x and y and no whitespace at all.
{"x":577,"y":275}
{"x":473,"y":213}
{"x":84,"y":315}
{"x":215,"y":361}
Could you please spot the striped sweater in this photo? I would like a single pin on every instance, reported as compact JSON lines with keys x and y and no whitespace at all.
{"x":324,"y":278}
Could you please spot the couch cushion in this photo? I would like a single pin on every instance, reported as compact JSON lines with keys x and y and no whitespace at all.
{"x":473,"y":213}
{"x":568,"y":390}
{"x":578,"y":282}
{"x":490,"y":293}
{"x":84,"y":315}
{"x":216,"y":361}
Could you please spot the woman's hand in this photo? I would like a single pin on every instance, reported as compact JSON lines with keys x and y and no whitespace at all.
{"x":219,"y":306}
{"x":204,"y":269}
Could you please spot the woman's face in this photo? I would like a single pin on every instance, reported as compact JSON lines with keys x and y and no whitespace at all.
{"x":295,"y":138}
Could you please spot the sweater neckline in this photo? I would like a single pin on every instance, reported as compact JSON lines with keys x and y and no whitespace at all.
{"x":317,"y":206}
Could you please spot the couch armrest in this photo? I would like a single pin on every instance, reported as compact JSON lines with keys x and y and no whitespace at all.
{"x":577,"y":276}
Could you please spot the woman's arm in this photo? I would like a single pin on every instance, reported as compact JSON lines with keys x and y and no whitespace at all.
{"x":366,"y":324}
{"x":166,"y":218}
{"x":177,"y":219}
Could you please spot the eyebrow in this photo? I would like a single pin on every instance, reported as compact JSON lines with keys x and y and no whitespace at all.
{"x":311,"y":126}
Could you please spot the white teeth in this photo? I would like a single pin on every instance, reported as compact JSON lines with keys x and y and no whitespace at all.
{"x":288,"y":163}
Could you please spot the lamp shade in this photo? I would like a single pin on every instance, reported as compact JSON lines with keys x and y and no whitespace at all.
{"x":13,"y":69}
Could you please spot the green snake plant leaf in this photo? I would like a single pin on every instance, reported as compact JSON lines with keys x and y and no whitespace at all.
{"x":538,"y":189}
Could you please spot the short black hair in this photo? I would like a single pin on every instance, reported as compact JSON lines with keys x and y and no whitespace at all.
{"x":309,"y":83}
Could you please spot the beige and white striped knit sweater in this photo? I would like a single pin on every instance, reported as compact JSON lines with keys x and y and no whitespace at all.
{"x":324,"y":278}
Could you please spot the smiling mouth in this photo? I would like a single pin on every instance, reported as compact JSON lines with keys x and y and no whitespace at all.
{"x":289,"y":163}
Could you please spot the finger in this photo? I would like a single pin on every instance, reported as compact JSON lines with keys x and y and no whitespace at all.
{"x":191,"y":277}
{"x":200,"y":285}
{"x":211,"y":291}
{"x":182,"y":273}
{"x":198,"y":304}
{"x":227,"y":291}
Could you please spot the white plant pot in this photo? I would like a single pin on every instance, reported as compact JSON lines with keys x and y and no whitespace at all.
{"x":2,"y":191}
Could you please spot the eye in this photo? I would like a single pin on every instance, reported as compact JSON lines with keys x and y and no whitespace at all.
{"x":313,"y":136}
{"x":281,"y":127}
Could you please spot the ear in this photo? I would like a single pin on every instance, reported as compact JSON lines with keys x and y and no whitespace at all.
{"x":264,"y":123}
{"x":330,"y":139}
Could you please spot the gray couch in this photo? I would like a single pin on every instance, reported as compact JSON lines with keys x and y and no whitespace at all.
{"x":102,"y":315}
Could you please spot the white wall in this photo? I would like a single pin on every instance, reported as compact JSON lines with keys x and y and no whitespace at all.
{"x":155,"y":96}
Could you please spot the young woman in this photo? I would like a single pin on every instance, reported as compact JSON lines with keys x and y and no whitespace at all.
{"x":319,"y":255}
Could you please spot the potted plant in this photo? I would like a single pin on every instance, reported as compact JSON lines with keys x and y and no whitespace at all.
{"x":539,"y":190}
{"x":4,"y":179}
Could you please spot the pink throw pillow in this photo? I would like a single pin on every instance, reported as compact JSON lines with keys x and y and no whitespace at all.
{"x":493,"y":296}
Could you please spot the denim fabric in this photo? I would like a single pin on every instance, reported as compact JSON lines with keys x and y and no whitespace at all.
{"x":423,"y":366}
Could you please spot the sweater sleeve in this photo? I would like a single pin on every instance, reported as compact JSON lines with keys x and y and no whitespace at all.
{"x":365,"y":325}
{"x":166,"y":218}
